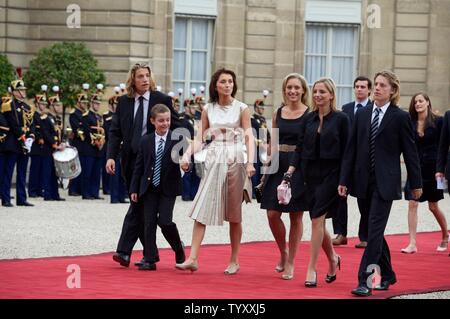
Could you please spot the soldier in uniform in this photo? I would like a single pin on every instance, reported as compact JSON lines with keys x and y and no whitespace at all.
{"x":261,"y":133}
{"x":35,"y":178}
{"x":4,"y":129}
{"x":78,"y":137}
{"x":48,"y":142}
{"x":117,"y":186}
{"x":95,"y":140}
{"x":19,"y":117}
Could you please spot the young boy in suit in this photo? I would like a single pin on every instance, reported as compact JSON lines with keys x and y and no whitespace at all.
{"x":156,"y":183}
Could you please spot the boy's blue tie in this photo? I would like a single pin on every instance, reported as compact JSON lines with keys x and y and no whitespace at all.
{"x":157,"y":171}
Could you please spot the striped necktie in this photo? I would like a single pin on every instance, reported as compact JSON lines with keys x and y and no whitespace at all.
{"x":157,"y":172}
{"x":373,"y":135}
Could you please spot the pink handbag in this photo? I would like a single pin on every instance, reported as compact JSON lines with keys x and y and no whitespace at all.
{"x":284,"y":193}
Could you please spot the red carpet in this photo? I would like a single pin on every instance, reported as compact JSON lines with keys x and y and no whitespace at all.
{"x":44,"y":278}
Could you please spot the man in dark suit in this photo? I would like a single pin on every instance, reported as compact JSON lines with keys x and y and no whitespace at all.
{"x":130,"y":122}
{"x":156,"y":183}
{"x":371,"y":167}
{"x":362,"y":88}
{"x":443,"y":160}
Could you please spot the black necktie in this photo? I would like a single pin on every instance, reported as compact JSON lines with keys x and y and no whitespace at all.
{"x":358,"y":106}
{"x":373,"y":135}
{"x":137,"y":126}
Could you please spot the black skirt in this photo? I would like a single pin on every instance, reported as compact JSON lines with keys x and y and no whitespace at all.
{"x":269,"y":196}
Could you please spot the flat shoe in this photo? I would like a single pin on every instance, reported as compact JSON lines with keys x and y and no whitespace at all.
{"x":409,"y":251}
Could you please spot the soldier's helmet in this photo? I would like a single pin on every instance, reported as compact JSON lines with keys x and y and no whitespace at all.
{"x":18,"y":85}
{"x":40,"y":99}
{"x":82,"y":98}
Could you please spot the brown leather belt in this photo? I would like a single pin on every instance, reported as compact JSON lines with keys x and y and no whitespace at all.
{"x":286,"y":148}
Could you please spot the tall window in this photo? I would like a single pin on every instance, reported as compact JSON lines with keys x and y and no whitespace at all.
{"x":331,"y":51}
{"x":192,"y":53}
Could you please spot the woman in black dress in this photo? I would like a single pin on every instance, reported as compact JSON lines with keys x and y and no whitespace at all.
{"x":428,"y":129}
{"x":285,"y":125}
{"x":320,"y":149}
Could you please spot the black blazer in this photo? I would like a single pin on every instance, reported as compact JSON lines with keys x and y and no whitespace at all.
{"x":349,"y":109}
{"x":121,"y":130}
{"x":170,"y":182}
{"x":443,"y":157}
{"x":333,"y":137}
{"x":395,"y":136}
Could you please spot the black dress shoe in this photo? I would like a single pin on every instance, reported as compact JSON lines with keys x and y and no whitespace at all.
{"x":122,"y":259}
{"x":60,"y":199}
{"x":147,"y":266}
{"x":362,"y":291}
{"x":125,"y":201}
{"x":25,"y":204}
{"x":7,"y":205}
{"x":180,"y":257}
{"x":98,"y":197}
{"x":142,"y":261}
{"x":34,"y":195}
{"x":88,"y":197}
{"x":74,"y":194}
{"x":384,"y":284}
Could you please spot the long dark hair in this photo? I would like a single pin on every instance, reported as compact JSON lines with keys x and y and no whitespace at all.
{"x":431,"y":117}
{"x":213,"y":95}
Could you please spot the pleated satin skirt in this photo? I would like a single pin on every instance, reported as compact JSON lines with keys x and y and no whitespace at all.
{"x":220,"y":194}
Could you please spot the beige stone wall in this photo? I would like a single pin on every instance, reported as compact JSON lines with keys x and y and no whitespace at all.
{"x":262,"y":40}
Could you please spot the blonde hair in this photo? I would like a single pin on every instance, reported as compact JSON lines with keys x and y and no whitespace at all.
{"x":305,"y":96}
{"x":130,"y":86}
{"x":394,"y":82}
{"x":331,"y":87}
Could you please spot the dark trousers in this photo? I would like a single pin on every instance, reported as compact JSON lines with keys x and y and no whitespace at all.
{"x":256,"y":178}
{"x":133,"y":223}
{"x":377,"y":252}
{"x":117,"y":186}
{"x":21,"y":178}
{"x":49,"y":179}
{"x":9,"y":160}
{"x":75,"y":184}
{"x":158,"y":210}
{"x":106,"y":178}
{"x":341,"y":217}
{"x":34,"y":179}
{"x":90,"y":176}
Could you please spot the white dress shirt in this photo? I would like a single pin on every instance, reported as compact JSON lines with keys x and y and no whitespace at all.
{"x":382,"y":112}
{"x":363,"y":103}
{"x":158,"y":138}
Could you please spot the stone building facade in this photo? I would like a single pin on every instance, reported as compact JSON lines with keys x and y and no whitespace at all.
{"x":262,"y":40}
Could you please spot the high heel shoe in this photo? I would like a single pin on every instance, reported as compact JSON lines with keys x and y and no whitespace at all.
{"x":288,"y":276}
{"x":280,"y":266}
{"x":330,"y":278}
{"x":443,"y":246}
{"x":192,"y":266}
{"x":409,"y":250}
{"x":311,"y":283}
{"x":232,"y":269}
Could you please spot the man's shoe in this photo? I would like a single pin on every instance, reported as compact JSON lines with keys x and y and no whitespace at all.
{"x":60,"y":199}
{"x":362,"y":244}
{"x":74,"y":194}
{"x":142,"y":261}
{"x":25,"y":204}
{"x":384,"y":284}
{"x":125,"y":201}
{"x":98,"y":197}
{"x":180,"y":257}
{"x":362,"y":291}
{"x":340,"y":240}
{"x":7,"y":205}
{"x":147,"y":266}
{"x":122,"y":259}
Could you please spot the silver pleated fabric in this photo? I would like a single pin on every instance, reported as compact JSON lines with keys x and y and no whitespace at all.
{"x":219,"y":197}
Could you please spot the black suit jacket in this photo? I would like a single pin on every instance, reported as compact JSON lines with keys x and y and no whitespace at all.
{"x":349,"y":109}
{"x":121,"y":130}
{"x":395,"y":136}
{"x":443,"y":158}
{"x":170,"y":181}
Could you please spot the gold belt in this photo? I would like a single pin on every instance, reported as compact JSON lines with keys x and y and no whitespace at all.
{"x":286,"y":148}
